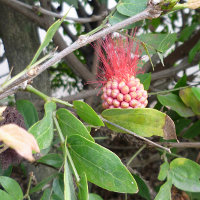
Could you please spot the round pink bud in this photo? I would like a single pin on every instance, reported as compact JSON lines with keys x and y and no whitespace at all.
{"x":125,"y":90}
{"x":104,"y":96}
{"x":109,"y":100}
{"x":108,"y":92}
{"x":142,"y":106}
{"x":145,"y":103}
{"x":116,"y":103}
{"x":114,"y":85}
{"x":124,"y":104}
{"x":133,"y":95}
{"x":139,"y":94}
{"x":111,"y":107}
{"x":105,"y":104}
{"x":114,"y":93}
{"x":109,"y":85}
{"x":121,"y":84}
{"x":132,"y":78}
{"x":131,"y":83}
{"x":133,"y":89}
{"x":138,"y":105}
{"x":120,"y":97}
{"x":133,"y":103}
{"x":127,"y":97}
{"x":140,"y":87}
{"x":104,"y":89}
{"x":142,"y":99}
{"x":144,"y":94}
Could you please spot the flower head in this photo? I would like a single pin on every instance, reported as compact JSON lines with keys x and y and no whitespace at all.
{"x":121,"y":89}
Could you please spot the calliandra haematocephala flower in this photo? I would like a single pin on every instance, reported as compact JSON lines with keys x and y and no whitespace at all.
{"x":119,"y":58}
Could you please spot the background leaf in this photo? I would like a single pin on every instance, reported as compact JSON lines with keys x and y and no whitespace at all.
{"x":145,"y":79}
{"x":43,"y":129}
{"x":86,"y":113}
{"x":164,"y":192}
{"x":28,"y":111}
{"x":101,"y":166}
{"x":11,"y":187}
{"x":93,"y":196}
{"x":143,"y":121}
{"x":185,"y":174}
{"x":70,"y":125}
{"x":83,"y":187}
{"x":175,"y":103}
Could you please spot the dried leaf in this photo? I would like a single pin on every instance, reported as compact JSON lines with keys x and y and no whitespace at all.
{"x":20,"y":140}
{"x":193,"y":4}
{"x":169,"y":129}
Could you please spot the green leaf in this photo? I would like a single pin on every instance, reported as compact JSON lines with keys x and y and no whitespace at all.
{"x":41,"y":184}
{"x":196,"y":92}
{"x":194,"y":51}
{"x":43,"y":129}
{"x":5,"y":196}
{"x":102,"y":167}
{"x":174,"y":102}
{"x":143,"y":189}
{"x":143,"y":121}
{"x":187,"y":32}
{"x":83,"y":188}
{"x":158,"y":42}
{"x":164,"y":168}
{"x":46,"y":194}
{"x":49,"y":35}
{"x":58,"y":187}
{"x":86,"y":113}
{"x":185,"y":174}
{"x":181,"y":83}
{"x":11,"y":187}
{"x":193,"y":131}
{"x":73,"y":3}
{"x":52,"y":159}
{"x":164,"y":192}
{"x":131,"y":7}
{"x":181,"y":124}
{"x":145,"y":79}
{"x":28,"y":111}
{"x":93,"y":196}
{"x":70,"y":125}
{"x":189,"y":98}
{"x":117,"y":17}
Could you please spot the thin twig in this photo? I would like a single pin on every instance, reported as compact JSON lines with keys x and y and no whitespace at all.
{"x":137,"y":136}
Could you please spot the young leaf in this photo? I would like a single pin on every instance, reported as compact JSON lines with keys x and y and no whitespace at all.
{"x":102,"y":167}
{"x":46,"y":195}
{"x":131,"y":7}
{"x":189,"y":98}
{"x":143,"y":121}
{"x":70,"y":125}
{"x":164,"y":168}
{"x":83,"y":188}
{"x":181,"y":83}
{"x":43,"y":129}
{"x":28,"y":111}
{"x":143,"y":189}
{"x":185,"y":174}
{"x":164,"y":192}
{"x":11,"y":187}
{"x":20,"y":140}
{"x":145,"y":79}
{"x":193,"y":131}
{"x":93,"y":196}
{"x":58,"y":187}
{"x":174,"y":102}
{"x":52,"y":159}
{"x":86,"y":113}
{"x":194,"y":51}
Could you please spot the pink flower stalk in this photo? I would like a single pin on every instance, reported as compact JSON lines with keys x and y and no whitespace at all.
{"x":121,"y":88}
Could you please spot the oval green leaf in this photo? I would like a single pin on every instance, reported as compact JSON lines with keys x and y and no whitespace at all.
{"x":5,"y":196}
{"x":93,"y":196}
{"x":70,"y":125}
{"x":86,"y":113}
{"x":102,"y":167}
{"x":83,"y":187}
{"x":11,"y":187}
{"x":174,"y":102}
{"x":52,"y":159}
{"x":164,"y":192}
{"x":143,"y":121}
{"x":185,"y":174}
{"x":43,"y":129}
{"x":188,"y":96}
{"x":28,"y":111}
{"x":131,"y":7}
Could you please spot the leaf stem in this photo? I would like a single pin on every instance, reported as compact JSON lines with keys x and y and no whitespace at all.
{"x":29,"y":186}
{"x":61,"y":102}
{"x":136,"y":154}
{"x":137,"y":136}
{"x":30,"y":88}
